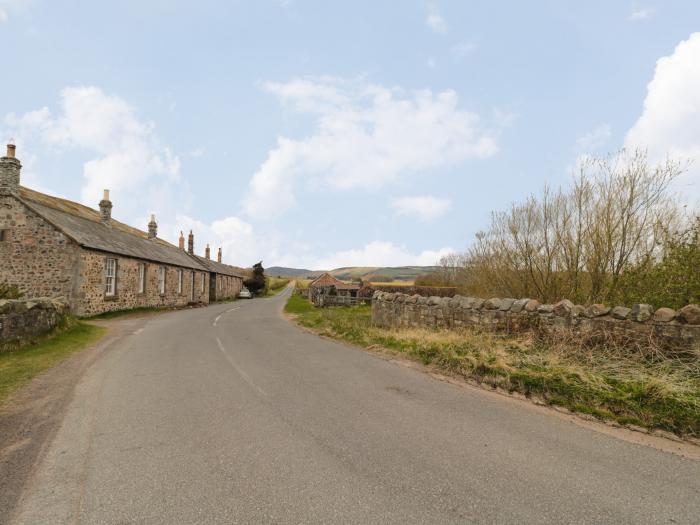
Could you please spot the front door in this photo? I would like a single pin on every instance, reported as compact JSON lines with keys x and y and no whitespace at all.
{"x":192,"y":288}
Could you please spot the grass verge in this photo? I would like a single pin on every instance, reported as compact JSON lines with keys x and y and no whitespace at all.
{"x":275,"y":285}
{"x":629,"y":389}
{"x":18,"y":367}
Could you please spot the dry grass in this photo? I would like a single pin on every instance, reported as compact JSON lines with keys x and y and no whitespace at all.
{"x":604,"y":381}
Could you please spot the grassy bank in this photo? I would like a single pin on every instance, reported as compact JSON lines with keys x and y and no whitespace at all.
{"x":275,"y":285}
{"x":19,"y":367}
{"x":605,"y":383}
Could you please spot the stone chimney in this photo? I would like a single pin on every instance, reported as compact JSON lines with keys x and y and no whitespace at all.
{"x":218,"y":255}
{"x":190,"y":243}
{"x":105,"y":208}
{"x":9,"y":172}
{"x":207,"y":253}
{"x":152,"y":228}
{"x":181,"y":241}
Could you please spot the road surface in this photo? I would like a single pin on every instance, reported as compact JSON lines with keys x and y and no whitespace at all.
{"x":229,"y":414}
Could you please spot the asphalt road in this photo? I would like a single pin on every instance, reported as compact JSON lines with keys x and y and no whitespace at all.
{"x":229,"y":414}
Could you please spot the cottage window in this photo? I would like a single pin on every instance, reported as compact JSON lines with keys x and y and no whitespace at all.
{"x":161,"y":280}
{"x":179,"y":281}
{"x":203,"y":279}
{"x":142,"y":277}
{"x":4,"y":235}
{"x":111,"y":277}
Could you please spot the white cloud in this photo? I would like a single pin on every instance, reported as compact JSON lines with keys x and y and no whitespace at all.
{"x":594,"y":140}
{"x":380,"y":253}
{"x":127,"y":157}
{"x":235,"y":236}
{"x":436,"y":22}
{"x":11,"y":6}
{"x":365,"y":136}
{"x":425,"y":207}
{"x":642,"y":14}
{"x":670,"y":121}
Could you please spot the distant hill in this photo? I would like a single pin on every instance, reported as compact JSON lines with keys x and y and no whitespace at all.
{"x":281,"y":271}
{"x":369,"y":273}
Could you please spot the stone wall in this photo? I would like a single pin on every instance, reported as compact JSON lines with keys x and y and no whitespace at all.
{"x":36,"y":257}
{"x":22,"y":319}
{"x":640,"y":325}
{"x":90,"y":297}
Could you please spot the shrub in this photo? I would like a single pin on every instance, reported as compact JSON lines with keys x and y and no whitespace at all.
{"x":257,"y":283}
{"x":9,"y":291}
{"x":440,"y":291}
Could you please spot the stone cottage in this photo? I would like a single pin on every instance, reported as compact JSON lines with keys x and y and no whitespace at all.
{"x":225,"y":281}
{"x":52,"y":247}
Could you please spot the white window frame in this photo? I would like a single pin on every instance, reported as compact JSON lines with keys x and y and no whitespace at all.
{"x":142,"y":277}
{"x":179,"y":281}
{"x":110,"y":277}
{"x":161,"y":280}
{"x":204,"y":278}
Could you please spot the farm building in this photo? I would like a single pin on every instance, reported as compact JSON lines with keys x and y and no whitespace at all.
{"x":326,"y":284}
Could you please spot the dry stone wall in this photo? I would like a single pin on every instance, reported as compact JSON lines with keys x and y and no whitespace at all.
{"x":22,"y":319}
{"x":640,"y":325}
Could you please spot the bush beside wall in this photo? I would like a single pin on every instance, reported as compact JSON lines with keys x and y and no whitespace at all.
{"x":426,"y":291}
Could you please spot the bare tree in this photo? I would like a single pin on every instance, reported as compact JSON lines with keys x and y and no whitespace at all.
{"x":575,"y":243}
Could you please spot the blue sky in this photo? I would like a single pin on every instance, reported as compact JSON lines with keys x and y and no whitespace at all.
{"x":321,"y":134}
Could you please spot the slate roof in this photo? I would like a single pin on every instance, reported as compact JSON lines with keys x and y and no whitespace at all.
{"x":83,"y":225}
{"x":328,"y":280}
{"x":220,"y":268}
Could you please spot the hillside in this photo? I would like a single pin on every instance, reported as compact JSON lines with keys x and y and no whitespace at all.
{"x":368,"y":273}
{"x":281,"y":271}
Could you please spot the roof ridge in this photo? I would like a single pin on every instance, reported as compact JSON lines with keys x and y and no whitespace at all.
{"x":90,"y":214}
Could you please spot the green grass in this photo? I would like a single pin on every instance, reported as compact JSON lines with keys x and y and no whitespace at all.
{"x":629,"y":389}
{"x":19,"y":367}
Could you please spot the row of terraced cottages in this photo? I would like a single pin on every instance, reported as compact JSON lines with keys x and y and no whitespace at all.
{"x":52,"y":247}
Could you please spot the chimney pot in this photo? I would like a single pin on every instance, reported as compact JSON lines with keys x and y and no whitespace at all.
{"x":207,"y":252}
{"x":190,"y":243}
{"x":105,"y":208}
{"x":181,"y":241}
{"x":218,"y":255}
{"x":10,"y":168}
{"x":152,"y":227}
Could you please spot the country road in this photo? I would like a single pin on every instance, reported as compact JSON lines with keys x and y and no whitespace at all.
{"x":230,"y":414}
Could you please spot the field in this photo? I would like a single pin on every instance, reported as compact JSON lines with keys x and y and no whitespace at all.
{"x":275,"y":285}
{"x":353,"y":273}
{"x":609,"y":385}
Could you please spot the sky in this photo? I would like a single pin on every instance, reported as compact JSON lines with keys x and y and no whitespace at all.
{"x":320,"y":134}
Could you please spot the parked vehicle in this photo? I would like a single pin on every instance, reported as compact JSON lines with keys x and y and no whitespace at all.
{"x":245,"y":294}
